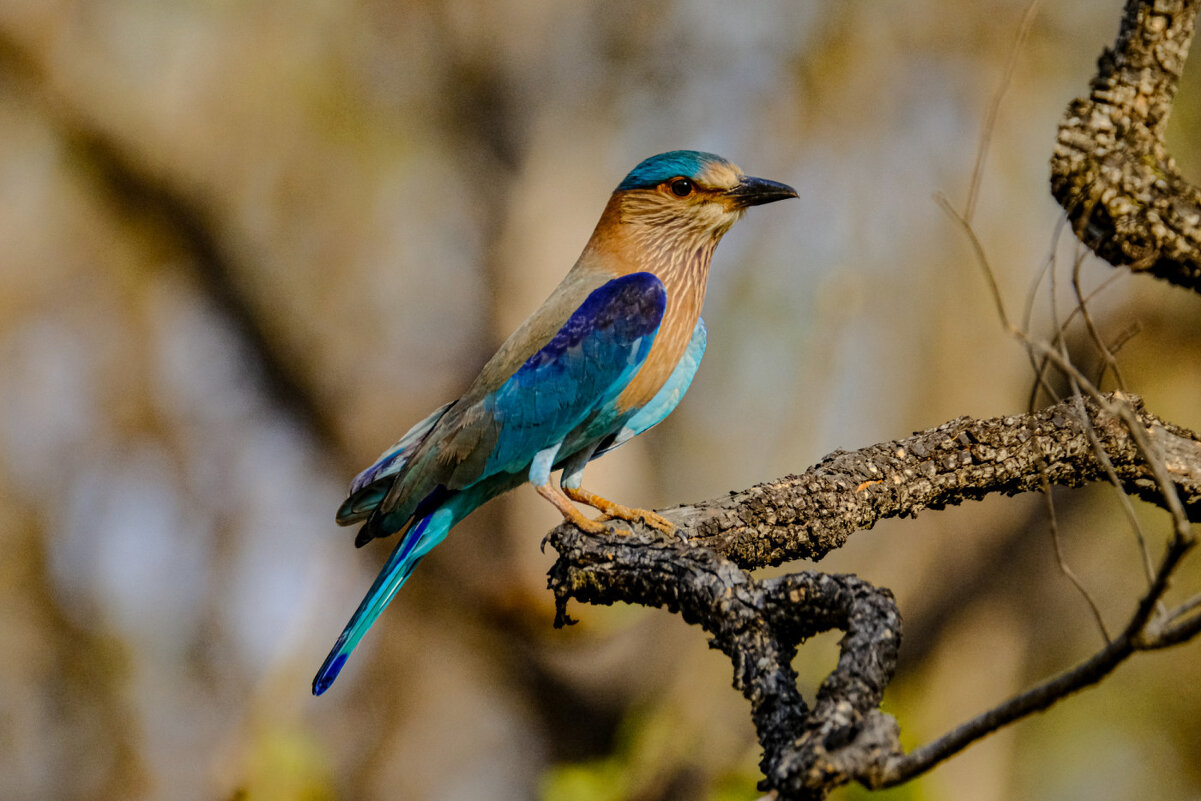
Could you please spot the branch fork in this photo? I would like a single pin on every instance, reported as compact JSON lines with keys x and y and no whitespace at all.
{"x":759,"y":623}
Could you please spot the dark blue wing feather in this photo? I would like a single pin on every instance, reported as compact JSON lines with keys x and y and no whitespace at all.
{"x":580,"y":372}
{"x":573,"y":378}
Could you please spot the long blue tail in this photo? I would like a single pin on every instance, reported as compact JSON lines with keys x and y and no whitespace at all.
{"x":421,"y":537}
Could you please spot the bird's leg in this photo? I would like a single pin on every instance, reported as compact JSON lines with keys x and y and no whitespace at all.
{"x":612,"y":510}
{"x":570,"y":513}
{"x":540,"y":478}
{"x":573,"y":473}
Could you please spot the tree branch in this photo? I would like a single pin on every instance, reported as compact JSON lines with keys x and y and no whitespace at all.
{"x":807,"y":516}
{"x":759,"y":624}
{"x":703,"y":575}
{"x":1111,"y":170}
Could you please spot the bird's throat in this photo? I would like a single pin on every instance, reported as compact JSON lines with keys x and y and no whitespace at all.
{"x":636,"y":235}
{"x":685,"y":276}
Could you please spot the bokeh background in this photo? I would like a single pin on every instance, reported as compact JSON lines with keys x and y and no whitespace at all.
{"x":244,"y":245}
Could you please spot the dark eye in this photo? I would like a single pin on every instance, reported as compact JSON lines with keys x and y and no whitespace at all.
{"x":681,"y":187}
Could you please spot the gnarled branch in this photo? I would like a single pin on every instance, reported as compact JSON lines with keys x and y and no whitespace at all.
{"x":806,"y":516}
{"x":1111,"y":169}
{"x":758,"y":623}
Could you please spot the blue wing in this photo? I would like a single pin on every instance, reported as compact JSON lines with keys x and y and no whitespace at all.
{"x":666,"y":399}
{"x":580,"y":372}
{"x":575,"y":376}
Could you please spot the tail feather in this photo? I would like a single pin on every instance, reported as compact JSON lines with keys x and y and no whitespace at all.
{"x":418,"y":541}
{"x":434,"y":520}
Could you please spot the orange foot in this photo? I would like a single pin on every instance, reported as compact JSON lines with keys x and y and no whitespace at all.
{"x":611,"y":510}
{"x":570,"y":513}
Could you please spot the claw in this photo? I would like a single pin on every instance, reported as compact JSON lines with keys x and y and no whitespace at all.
{"x":644,"y":516}
{"x":588,"y":525}
{"x":615,"y":511}
{"x":570,"y":513}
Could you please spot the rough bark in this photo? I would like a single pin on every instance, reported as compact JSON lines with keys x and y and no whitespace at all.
{"x":807,"y":516}
{"x":1111,"y":170}
{"x":702,"y":574}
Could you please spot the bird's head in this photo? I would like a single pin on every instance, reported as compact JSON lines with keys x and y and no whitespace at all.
{"x":684,"y":194}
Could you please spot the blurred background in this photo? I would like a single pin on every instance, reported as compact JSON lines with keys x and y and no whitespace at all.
{"x":244,"y":246}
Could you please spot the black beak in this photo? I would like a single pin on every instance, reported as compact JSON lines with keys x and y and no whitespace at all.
{"x":757,"y":191}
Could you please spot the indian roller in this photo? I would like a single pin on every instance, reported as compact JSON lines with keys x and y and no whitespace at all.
{"x":606,"y":357}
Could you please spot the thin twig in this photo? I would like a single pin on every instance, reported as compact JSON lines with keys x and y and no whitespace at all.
{"x":1125,"y":335}
{"x":1063,"y":565}
{"x":1109,"y":361}
{"x":978,"y":248}
{"x":1061,"y":348}
{"x":1123,"y":499}
{"x":1177,"y":633}
{"x":1085,"y":674}
{"x":1040,"y":368}
{"x":1028,"y":314}
{"x":994,"y":108}
{"x":1184,"y":608}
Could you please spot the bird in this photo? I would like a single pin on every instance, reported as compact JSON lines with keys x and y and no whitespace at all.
{"x":606,"y":357}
